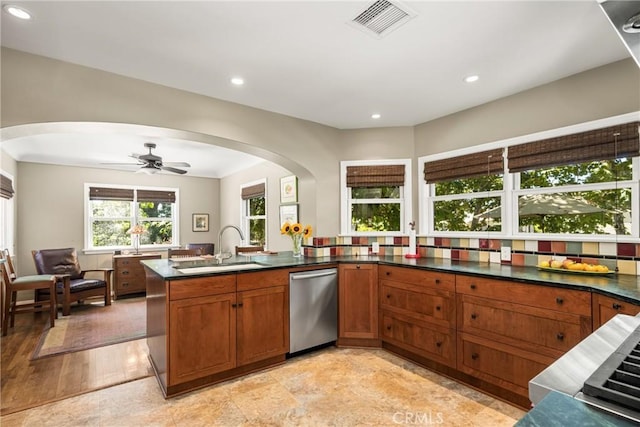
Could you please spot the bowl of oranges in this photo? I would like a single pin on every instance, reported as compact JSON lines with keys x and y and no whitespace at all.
{"x":571,"y":266}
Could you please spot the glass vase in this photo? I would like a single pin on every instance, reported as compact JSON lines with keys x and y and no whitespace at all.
{"x":297,"y":245}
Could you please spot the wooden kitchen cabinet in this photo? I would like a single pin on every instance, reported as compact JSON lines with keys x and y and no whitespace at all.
{"x":508,"y":332}
{"x":216,"y":327}
{"x":417,"y":312}
{"x":605,"y":308}
{"x":129,"y":277}
{"x":358,"y":304}
{"x":262,"y":316}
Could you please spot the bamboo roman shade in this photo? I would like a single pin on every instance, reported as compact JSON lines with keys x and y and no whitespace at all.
{"x":156,"y":196}
{"x":599,"y":144}
{"x":375,"y":176}
{"x":477,"y":164}
{"x":6,"y":187}
{"x":253,"y":191}
{"x":101,"y":193}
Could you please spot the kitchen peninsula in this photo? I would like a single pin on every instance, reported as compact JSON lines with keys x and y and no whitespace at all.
{"x":208,"y":323}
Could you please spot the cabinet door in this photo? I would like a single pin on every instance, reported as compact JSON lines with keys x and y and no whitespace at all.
{"x":263,"y":324}
{"x":358,"y":301}
{"x":605,"y":308}
{"x":202,"y":337}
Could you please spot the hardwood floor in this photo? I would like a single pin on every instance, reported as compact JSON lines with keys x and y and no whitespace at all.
{"x":26,"y":383}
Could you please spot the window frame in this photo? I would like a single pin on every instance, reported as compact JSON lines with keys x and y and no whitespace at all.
{"x":7,"y":217}
{"x":512,"y":190}
{"x":405,"y":200}
{"x":245,"y":218}
{"x":88,"y":219}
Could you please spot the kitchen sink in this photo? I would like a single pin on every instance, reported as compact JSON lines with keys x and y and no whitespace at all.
{"x":214,"y":268}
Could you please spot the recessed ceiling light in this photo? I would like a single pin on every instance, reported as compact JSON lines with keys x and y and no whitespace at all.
{"x":375,"y":116}
{"x":16,"y":11}
{"x":471,"y":79}
{"x":238,"y":81}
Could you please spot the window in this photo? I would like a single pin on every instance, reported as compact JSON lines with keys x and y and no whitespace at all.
{"x":584,"y":183}
{"x":112,"y":211}
{"x":254,"y":213}
{"x":6,"y":212}
{"x":466,"y":190}
{"x":376,"y":197}
{"x":580,"y":184}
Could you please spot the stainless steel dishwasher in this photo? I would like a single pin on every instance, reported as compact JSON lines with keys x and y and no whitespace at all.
{"x":313,"y":303}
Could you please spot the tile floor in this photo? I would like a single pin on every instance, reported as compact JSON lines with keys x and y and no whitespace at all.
{"x":331,"y":387}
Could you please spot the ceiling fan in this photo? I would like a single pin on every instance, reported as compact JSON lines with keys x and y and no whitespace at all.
{"x":152,"y":164}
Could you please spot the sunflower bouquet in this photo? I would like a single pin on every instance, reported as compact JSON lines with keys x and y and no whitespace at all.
{"x":297,"y":232}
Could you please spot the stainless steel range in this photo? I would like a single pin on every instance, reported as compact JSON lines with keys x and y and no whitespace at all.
{"x":603,"y":370}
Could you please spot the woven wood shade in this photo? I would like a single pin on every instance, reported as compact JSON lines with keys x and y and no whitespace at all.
{"x":375,"y":176}
{"x":156,"y":196}
{"x":581,"y":147}
{"x":100,"y":193}
{"x":477,"y":164}
{"x":253,"y":191}
{"x":6,"y":187}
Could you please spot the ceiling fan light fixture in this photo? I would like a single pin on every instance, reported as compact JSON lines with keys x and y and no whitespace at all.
{"x":148,"y":169}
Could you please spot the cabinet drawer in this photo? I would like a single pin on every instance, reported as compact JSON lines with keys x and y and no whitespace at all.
{"x":201,"y":286}
{"x":605,"y":308}
{"x":560,"y":299}
{"x":426,"y":340}
{"x":130,"y":273}
{"x":424,"y":303}
{"x":430,"y":279}
{"x":130,"y":285}
{"x":262,"y":279}
{"x":531,"y":328}
{"x":499,"y":364}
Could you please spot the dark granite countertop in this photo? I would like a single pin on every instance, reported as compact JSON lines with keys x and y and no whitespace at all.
{"x":561,"y":410}
{"x":622,"y":286}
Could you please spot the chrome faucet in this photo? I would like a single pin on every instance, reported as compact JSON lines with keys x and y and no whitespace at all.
{"x":219,"y":256}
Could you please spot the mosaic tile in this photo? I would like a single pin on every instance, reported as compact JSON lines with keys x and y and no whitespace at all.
{"x":454,"y":243}
{"x":446,"y":242}
{"x":574,"y":248}
{"x":446,"y":253}
{"x":531,"y":245}
{"x":517,"y":245}
{"x":494,"y":257}
{"x":627,"y":267}
{"x":483,"y":256}
{"x":474,"y":243}
{"x":455,"y":254}
{"x":544,"y":246}
{"x":558,"y":247}
{"x":463,"y":243}
{"x":626,"y":249}
{"x":517,"y":259}
{"x":591,"y":248}
{"x":474,"y":256}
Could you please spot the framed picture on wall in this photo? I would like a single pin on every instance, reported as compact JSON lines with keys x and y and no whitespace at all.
{"x":289,"y":189}
{"x":200,"y":222}
{"x":288,"y":213}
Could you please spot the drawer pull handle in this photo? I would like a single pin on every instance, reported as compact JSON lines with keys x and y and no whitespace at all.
{"x":240,"y":305}
{"x":560,"y":336}
{"x":437,"y":308}
{"x":389,"y":328}
{"x":559,"y":300}
{"x":125,"y":284}
{"x":234,"y":305}
{"x":439,"y":344}
{"x":124,"y":272}
{"x":388,"y":273}
{"x":474,"y":316}
{"x":437,"y":281}
{"x":475,"y":356}
{"x":388,"y":296}
{"x":616,"y":306}
{"x":358,"y":266}
{"x":473,"y":286}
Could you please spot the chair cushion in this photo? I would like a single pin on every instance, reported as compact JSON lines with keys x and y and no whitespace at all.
{"x":78,"y":285}
{"x":58,"y":261}
{"x":33,"y":279}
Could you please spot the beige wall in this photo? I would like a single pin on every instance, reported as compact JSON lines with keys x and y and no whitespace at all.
{"x":10,"y":166}
{"x":51,"y":207}
{"x":606,"y":91}
{"x":37,"y":90}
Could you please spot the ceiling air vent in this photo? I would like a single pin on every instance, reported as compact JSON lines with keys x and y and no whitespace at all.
{"x":382,"y":17}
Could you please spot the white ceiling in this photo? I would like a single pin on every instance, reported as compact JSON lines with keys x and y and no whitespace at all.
{"x":301,"y":58}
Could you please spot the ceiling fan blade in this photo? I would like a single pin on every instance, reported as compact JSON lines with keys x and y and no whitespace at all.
{"x":174,"y":170}
{"x":122,"y":164}
{"x":177,"y":164}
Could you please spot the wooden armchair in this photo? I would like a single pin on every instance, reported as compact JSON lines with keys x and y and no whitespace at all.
{"x":71,"y":283}
{"x":183,"y":253}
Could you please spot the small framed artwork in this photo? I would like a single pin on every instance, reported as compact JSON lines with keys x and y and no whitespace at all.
{"x":200,"y":222}
{"x":288,"y":213}
{"x":289,"y":189}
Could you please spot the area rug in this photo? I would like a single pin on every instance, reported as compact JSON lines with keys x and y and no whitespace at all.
{"x":94,"y":325}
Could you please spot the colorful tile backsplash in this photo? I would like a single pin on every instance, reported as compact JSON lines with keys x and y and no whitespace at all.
{"x":623,"y":256}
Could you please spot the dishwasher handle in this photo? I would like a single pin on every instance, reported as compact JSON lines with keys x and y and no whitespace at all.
{"x":301,"y":276}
